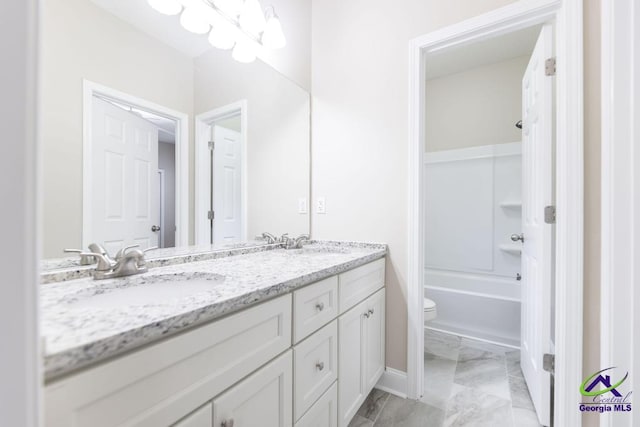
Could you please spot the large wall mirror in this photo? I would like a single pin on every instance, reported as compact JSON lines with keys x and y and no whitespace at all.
{"x":153,"y":137}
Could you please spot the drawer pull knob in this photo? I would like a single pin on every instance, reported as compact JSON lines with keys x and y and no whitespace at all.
{"x":320,"y":306}
{"x":227,"y":423}
{"x":320,"y":366}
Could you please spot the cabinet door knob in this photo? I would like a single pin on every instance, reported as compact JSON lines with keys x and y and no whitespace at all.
{"x":320,"y":306}
{"x":367,"y":314}
{"x":371,"y":312}
{"x":227,"y":423}
{"x":320,"y":366}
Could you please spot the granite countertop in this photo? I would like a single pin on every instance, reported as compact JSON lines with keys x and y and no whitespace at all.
{"x":85,"y":321}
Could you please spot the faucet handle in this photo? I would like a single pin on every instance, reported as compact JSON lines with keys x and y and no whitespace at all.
{"x":270,"y":238}
{"x":104,"y":263}
{"x":124,"y":250}
{"x":152,"y":248}
{"x":84,"y":259}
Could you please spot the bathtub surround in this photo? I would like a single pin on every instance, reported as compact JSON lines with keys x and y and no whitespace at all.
{"x":474,"y":204}
{"x":79,"y":330}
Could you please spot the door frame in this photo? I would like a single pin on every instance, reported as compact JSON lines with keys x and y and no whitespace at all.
{"x":620,"y":252}
{"x":91,"y":89}
{"x":203,"y":123}
{"x":161,"y":174}
{"x":567,"y":16}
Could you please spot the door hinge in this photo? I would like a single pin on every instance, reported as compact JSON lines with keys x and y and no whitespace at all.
{"x":211,"y":215}
{"x":550,"y":214}
{"x":212,"y":145}
{"x":550,"y":67}
{"x":549,"y":363}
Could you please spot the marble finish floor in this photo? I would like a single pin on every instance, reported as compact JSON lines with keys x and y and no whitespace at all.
{"x":467,"y":383}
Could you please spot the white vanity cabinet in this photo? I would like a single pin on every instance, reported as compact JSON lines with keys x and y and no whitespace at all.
{"x":361,"y":341}
{"x":304,"y":359}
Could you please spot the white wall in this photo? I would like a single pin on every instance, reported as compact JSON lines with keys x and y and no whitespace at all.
{"x":360,"y":121}
{"x":20,"y":372}
{"x":278,"y":119}
{"x":294,"y":60}
{"x":80,"y":40}
{"x":475,"y":107}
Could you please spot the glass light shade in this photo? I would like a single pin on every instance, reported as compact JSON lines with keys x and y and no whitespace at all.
{"x":222,"y":35}
{"x":192,"y":21}
{"x":244,"y":52}
{"x":273,"y":37}
{"x":166,"y":7}
{"x":251,"y":18}
{"x":231,"y":8}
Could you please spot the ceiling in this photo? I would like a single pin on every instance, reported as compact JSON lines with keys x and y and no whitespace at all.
{"x":490,"y":51}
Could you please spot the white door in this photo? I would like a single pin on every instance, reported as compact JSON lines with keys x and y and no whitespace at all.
{"x":124,"y":166}
{"x":537,"y":250}
{"x":264,"y":399}
{"x":226,"y":177}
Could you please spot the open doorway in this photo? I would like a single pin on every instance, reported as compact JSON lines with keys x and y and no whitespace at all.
{"x":562,"y":358}
{"x":479,"y":197}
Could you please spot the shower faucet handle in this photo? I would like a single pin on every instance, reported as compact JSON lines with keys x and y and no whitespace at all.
{"x":516,"y":237}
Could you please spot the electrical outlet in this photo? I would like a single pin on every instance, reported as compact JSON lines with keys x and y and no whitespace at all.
{"x":303,"y":207}
{"x":321,"y":206}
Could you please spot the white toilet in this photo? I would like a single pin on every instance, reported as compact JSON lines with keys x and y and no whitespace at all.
{"x":430,"y":312}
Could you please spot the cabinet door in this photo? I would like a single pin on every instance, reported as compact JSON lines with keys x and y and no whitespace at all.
{"x":263,"y":399}
{"x":323,"y":413}
{"x":202,"y":417}
{"x":351,"y":383}
{"x":374,"y":333}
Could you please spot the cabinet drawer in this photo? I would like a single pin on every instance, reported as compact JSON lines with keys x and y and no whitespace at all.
{"x":202,"y":417}
{"x":323,"y":413}
{"x":157,"y":385}
{"x":314,"y":306}
{"x":263,"y":399}
{"x":315,"y":362}
{"x":359,"y":283}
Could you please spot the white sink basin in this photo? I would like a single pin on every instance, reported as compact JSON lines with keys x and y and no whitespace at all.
{"x":147,"y":290}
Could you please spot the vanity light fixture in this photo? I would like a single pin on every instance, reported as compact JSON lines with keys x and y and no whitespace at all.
{"x":237,"y":24}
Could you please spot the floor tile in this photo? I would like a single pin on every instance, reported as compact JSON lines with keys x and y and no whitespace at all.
{"x":525,"y":418}
{"x":520,"y":397}
{"x":398,"y":412}
{"x":359,"y":421}
{"x":438,"y":380}
{"x":471,"y":407}
{"x":513,"y":363}
{"x":484,"y":347}
{"x":483,"y":371}
{"x":373,"y":404}
{"x":441,"y":344}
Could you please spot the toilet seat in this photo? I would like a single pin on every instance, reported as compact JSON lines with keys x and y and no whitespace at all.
{"x":430,"y":311}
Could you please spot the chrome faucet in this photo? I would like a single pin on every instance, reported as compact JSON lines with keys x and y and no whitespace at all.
{"x":87,"y":258}
{"x":270,"y":238}
{"x":128,"y":261}
{"x":290,"y":243}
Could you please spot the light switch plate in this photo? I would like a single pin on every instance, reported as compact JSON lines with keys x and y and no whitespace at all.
{"x":303,"y":207}
{"x":321,"y":206}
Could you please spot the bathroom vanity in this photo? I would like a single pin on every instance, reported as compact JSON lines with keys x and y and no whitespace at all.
{"x":270,"y":338}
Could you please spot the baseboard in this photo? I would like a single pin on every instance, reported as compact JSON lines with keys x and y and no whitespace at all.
{"x":393,"y":381}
